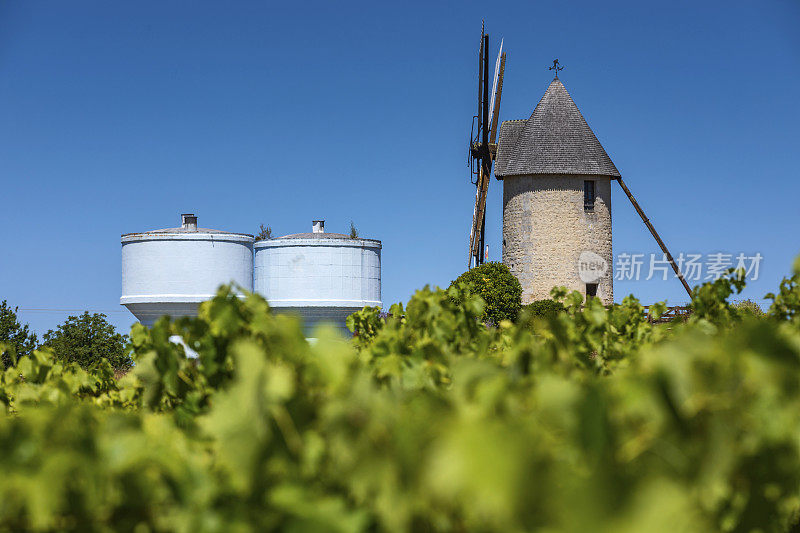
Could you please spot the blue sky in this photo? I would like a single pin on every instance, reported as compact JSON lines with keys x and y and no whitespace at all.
{"x":117,"y":116}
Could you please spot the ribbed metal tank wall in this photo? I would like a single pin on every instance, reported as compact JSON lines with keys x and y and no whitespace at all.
{"x":323,"y":277}
{"x":170,"y":271}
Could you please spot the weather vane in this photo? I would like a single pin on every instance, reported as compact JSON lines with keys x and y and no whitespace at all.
{"x":556,"y":67}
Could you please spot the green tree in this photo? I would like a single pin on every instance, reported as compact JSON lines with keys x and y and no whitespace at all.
{"x":18,"y":340}
{"x":498,"y":287}
{"x":353,"y":231}
{"x":86,"y":340}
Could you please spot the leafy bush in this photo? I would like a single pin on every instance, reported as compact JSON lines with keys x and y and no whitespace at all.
{"x":748,"y":307}
{"x":86,"y":340}
{"x":428,"y":421}
{"x":542,"y":309}
{"x":499,"y":289}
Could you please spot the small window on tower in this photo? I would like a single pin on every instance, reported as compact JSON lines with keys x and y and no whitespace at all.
{"x":591,"y":290}
{"x":588,"y":195}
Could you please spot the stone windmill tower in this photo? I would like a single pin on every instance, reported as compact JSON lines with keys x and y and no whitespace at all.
{"x":556,"y":200}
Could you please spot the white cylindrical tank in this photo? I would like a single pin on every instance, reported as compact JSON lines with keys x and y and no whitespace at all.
{"x":170,"y":271}
{"x":323,"y":277}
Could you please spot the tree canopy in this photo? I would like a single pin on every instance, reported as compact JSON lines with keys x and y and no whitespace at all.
{"x":86,"y":339}
{"x":499,"y":289}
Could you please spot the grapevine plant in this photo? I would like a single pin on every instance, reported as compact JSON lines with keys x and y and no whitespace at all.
{"x":428,"y":419}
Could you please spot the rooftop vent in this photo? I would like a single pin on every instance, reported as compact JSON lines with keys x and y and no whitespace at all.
{"x":189,"y":221}
{"x":318,"y":226}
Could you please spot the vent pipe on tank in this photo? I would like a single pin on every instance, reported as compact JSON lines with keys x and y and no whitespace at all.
{"x":189,"y":221}
{"x":318,"y":226}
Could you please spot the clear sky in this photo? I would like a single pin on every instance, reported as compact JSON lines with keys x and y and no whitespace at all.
{"x":116,"y":117}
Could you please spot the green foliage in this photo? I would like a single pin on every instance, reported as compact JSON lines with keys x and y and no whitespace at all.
{"x":353,"y":231}
{"x":748,"y":307}
{"x":602,"y":337}
{"x":710,"y":301}
{"x":786,"y":303}
{"x":15,"y":339}
{"x":170,"y":381}
{"x":264,"y":233}
{"x":365,"y":324}
{"x":498,"y":288}
{"x":87,"y":340}
{"x":40,"y":378}
{"x":593,"y":420}
{"x":414,"y":345}
{"x":542,"y":309}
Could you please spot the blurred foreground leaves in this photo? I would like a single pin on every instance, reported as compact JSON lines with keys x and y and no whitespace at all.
{"x":587,"y":420}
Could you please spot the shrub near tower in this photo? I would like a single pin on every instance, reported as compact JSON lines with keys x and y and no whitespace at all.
{"x":498,"y":287}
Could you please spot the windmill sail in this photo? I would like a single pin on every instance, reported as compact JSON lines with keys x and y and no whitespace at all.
{"x":482,"y":149}
{"x":494,"y":84}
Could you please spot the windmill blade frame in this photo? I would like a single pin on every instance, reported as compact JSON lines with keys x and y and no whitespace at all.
{"x":482,"y":145}
{"x":492,"y":114}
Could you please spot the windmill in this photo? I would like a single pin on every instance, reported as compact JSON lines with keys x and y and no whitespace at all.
{"x":482,"y":143}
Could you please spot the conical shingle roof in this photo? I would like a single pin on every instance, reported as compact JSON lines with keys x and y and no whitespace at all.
{"x":555,"y":140}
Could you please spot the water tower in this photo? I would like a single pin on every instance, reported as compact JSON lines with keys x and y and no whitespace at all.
{"x":320,"y":276}
{"x":170,"y":271}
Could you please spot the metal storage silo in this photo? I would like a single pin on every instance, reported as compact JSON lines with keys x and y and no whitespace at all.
{"x":323,"y":277}
{"x":170,"y":271}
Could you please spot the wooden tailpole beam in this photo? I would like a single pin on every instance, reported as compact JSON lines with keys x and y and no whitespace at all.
{"x":655,"y":236}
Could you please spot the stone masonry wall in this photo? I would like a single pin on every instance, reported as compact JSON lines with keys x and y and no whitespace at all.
{"x":545,"y":230}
